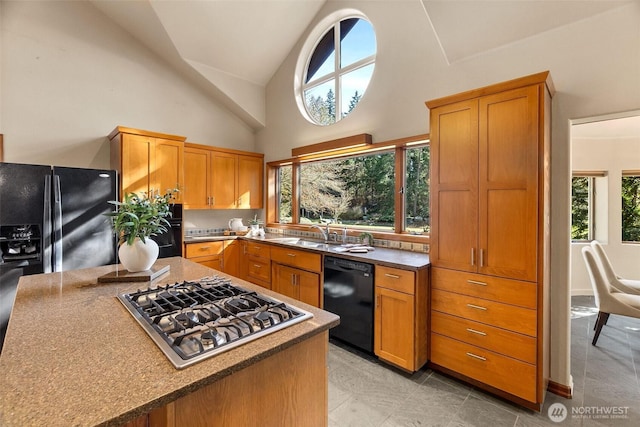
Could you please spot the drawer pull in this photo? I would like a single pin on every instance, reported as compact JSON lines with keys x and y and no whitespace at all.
{"x":475,"y":282}
{"x":257,"y":265}
{"x":393,"y":276}
{"x":204,"y":248}
{"x":473,"y":331}
{"x":477,"y":307}
{"x":291,"y":255}
{"x":475,"y":356}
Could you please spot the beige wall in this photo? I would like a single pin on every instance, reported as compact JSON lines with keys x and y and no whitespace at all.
{"x":69,"y":75}
{"x":612,"y":156}
{"x":595,"y":64}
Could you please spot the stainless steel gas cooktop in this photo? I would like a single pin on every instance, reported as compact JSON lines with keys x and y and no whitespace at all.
{"x":191,"y":321}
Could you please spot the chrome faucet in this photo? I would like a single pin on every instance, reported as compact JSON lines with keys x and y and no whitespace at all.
{"x":325,"y":233}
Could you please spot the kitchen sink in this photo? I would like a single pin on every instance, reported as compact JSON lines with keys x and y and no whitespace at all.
{"x":288,"y":240}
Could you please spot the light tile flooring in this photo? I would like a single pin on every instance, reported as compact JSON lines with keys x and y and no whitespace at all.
{"x":365,"y":392}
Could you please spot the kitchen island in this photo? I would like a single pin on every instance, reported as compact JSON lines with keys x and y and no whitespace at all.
{"x":73,"y":355}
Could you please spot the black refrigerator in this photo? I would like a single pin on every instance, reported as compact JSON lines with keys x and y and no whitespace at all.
{"x":51,"y":219}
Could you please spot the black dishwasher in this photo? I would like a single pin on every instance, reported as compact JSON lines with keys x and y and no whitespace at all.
{"x":349,"y":293}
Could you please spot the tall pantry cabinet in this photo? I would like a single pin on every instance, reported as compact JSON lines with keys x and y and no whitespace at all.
{"x":490,"y":236}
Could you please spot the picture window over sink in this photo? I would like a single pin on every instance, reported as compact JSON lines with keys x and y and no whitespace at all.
{"x":380,"y":188}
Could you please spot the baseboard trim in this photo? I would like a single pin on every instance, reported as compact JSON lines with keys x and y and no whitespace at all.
{"x":560,"y":389}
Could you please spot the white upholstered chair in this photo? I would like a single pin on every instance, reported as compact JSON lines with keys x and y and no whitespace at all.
{"x":624,"y":285}
{"x":609,"y":299}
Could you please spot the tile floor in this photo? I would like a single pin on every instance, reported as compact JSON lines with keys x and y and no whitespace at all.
{"x":365,"y":392}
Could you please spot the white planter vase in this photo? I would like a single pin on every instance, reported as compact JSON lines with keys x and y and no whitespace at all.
{"x":139,"y":256}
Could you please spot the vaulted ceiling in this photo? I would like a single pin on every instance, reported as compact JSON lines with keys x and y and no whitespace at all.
{"x":232,"y":48}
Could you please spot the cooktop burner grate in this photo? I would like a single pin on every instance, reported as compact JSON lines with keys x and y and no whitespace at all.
{"x":194,"y":320}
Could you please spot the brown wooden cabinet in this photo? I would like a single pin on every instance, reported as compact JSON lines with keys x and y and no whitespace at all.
{"x":489,"y":235}
{"x":400,"y":318}
{"x":147,"y":161}
{"x":210,"y":254}
{"x":231,"y":258}
{"x":218,"y":178}
{"x":296,"y":274}
{"x":258,"y":263}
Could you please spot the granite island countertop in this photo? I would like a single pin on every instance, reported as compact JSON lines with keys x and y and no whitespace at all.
{"x":73,"y":355}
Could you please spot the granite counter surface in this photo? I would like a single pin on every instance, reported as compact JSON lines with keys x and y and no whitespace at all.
{"x":391,"y":257}
{"x":73,"y":355}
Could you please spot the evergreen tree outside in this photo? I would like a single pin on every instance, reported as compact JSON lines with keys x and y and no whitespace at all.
{"x":631,"y":208}
{"x":580,"y":208}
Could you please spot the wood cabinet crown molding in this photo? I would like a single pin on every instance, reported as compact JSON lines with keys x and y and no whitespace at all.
{"x":123,"y":129}
{"x":533,"y":79}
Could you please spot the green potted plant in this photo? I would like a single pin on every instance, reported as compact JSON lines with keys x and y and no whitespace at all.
{"x":136,"y":219}
{"x":255,"y":225}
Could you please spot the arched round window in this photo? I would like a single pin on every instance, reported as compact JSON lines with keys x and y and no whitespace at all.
{"x":338,"y":70}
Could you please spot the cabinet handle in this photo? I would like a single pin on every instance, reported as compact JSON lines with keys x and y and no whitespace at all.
{"x":257,"y":265}
{"x":204,"y":248}
{"x":393,"y":276}
{"x":473,"y":256}
{"x":293,"y":279}
{"x":475,"y":356}
{"x":291,"y":255}
{"x":377,"y":300}
{"x":481,"y":257}
{"x":475,"y":282}
{"x":477,"y":307}
{"x":473,"y":331}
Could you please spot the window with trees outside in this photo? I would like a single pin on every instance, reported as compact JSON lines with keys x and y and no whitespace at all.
{"x":630,"y":206}
{"x":582,"y":212}
{"x":338,"y":70}
{"x":377,"y":190}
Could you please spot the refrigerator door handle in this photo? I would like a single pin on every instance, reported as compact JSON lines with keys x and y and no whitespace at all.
{"x":46,"y":225}
{"x":57,"y":223}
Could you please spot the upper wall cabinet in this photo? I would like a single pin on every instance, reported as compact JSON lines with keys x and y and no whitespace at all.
{"x":147,"y":161}
{"x":218,"y":178}
{"x":485,"y":183}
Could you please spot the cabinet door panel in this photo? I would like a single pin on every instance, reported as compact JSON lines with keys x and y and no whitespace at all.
{"x":223,"y":180}
{"x":454,"y":148}
{"x":168,"y":167}
{"x":308,"y":287}
{"x":508,"y":185}
{"x":232,"y":257}
{"x":136,"y":158}
{"x":250,"y":182}
{"x":196,"y":183}
{"x":284,"y":280}
{"x":394,"y":327}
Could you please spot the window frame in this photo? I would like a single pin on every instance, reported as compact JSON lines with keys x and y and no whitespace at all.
{"x":338,"y":71}
{"x":626,"y":173}
{"x":399,"y":146}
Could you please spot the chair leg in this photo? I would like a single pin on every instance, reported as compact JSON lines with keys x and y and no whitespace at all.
{"x":600,"y":322}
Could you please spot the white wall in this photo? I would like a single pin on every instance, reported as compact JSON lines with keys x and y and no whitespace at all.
{"x":69,"y":76}
{"x":595,"y":64}
{"x":612,"y":156}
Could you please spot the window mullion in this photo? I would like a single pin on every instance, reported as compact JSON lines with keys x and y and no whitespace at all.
{"x":337,"y":85}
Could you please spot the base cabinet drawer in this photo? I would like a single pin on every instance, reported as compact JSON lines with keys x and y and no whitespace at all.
{"x":300,"y":259}
{"x":510,"y":317}
{"x":513,"y":376}
{"x":508,"y":291}
{"x":259,"y":268}
{"x":501,"y":341}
